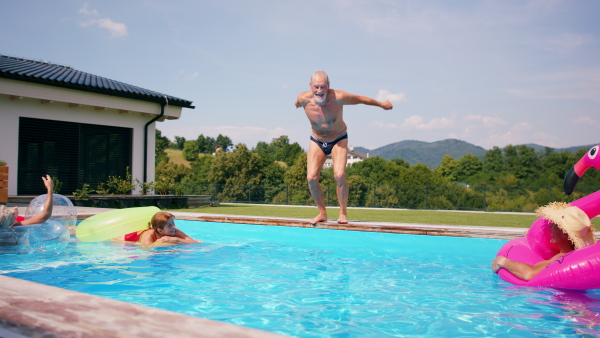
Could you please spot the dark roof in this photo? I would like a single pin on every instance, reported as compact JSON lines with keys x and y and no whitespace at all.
{"x":66,"y":77}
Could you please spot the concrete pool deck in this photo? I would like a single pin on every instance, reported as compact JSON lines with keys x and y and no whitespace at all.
{"x":29,"y":309}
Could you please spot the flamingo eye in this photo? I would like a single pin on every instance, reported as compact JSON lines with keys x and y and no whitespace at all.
{"x":593,"y":152}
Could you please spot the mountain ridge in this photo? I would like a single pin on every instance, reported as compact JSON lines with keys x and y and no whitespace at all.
{"x":431,"y":153}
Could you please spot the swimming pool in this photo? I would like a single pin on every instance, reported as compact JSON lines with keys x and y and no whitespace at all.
{"x":319,"y":283}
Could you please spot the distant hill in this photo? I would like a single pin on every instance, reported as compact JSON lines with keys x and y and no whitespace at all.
{"x":538,"y":148}
{"x":431,"y":153}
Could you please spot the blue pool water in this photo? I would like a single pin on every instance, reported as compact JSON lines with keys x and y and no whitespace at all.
{"x":319,"y":283}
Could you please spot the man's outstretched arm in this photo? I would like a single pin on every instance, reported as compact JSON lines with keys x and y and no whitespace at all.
{"x":301,"y":101}
{"x":350,"y":99}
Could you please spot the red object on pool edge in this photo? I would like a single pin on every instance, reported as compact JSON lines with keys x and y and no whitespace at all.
{"x":20,"y":218}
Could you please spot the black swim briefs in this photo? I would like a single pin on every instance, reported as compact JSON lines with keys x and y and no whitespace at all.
{"x":328,"y":146}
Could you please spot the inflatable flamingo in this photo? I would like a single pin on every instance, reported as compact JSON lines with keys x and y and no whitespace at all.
{"x":579,"y":269}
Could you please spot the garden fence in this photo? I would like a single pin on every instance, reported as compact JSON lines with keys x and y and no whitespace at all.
{"x":449,"y":197}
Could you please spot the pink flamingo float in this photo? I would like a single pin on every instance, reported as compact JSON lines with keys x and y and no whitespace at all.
{"x":579,"y":269}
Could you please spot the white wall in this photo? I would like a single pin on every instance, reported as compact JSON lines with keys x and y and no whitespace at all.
{"x":21,"y":99}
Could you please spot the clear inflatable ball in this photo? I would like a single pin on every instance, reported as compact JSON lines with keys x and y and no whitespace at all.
{"x":63,"y":209}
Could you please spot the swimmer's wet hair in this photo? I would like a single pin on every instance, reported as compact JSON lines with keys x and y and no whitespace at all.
{"x":159,"y":220}
{"x":7,"y":217}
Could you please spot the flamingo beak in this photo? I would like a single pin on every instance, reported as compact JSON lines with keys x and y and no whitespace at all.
{"x":590,"y":159}
{"x":570,"y":182}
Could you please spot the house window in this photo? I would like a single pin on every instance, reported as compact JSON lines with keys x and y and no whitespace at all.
{"x":75,"y":153}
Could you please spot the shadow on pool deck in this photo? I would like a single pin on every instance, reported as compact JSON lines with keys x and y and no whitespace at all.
{"x":29,"y":309}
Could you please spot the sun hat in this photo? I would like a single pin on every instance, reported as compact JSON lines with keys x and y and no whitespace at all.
{"x":7,"y":217}
{"x":571,"y":220}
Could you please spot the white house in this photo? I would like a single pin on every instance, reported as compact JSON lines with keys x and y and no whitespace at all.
{"x":79,"y":127}
{"x":353,"y":157}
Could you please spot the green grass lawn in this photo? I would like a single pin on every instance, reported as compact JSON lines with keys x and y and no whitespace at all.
{"x":516,"y":220}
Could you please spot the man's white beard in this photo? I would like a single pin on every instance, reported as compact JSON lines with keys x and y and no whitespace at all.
{"x":321,"y":99}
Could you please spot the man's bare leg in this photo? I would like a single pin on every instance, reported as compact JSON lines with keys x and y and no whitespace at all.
{"x":342,"y":194}
{"x":339,"y":155}
{"x":317,"y":193}
{"x":314,"y":164}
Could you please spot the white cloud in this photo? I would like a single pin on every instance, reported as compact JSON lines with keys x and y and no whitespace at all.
{"x":192,"y":76}
{"x":582,"y":84}
{"x":86,"y":11}
{"x":523,"y":126}
{"x":486,"y":121}
{"x":116,"y":29}
{"x":382,"y":125}
{"x":387,"y":95}
{"x":585,"y":120}
{"x":417,"y":122}
{"x":412,"y":122}
{"x":548,"y":140}
{"x":520,"y":133}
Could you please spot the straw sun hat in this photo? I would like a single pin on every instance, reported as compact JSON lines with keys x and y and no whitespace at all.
{"x":571,"y":220}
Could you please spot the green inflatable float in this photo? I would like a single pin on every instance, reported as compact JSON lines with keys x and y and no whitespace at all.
{"x":114,"y":223}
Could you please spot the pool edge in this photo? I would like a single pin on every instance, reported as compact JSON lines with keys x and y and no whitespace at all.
{"x":398,"y":228}
{"x":29,"y":309}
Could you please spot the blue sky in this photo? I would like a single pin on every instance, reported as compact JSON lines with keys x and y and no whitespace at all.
{"x":491,"y":73}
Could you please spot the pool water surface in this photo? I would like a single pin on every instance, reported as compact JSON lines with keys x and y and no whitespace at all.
{"x":319,"y":283}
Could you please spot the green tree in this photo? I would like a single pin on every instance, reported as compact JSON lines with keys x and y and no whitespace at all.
{"x":224,"y":142}
{"x":190,"y":151}
{"x":197,"y":182}
{"x":493,"y":161}
{"x":284,"y":151}
{"x":295,"y":178}
{"x":511,"y":158}
{"x":201,"y":169}
{"x":179,"y":142}
{"x":447,"y":168}
{"x":273,"y":180}
{"x":161,"y":143}
{"x":358,"y":192}
{"x":528,"y":163}
{"x":554,"y":166}
{"x":280,"y":149}
{"x":400,"y":162}
{"x":173,"y":171}
{"x":414,"y":186}
{"x":206,"y":144}
{"x":239,"y":174}
{"x":467,"y":166}
{"x":377,"y":170}
{"x":296,"y":174}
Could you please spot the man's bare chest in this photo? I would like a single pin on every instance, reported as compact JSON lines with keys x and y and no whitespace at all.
{"x":324,"y":113}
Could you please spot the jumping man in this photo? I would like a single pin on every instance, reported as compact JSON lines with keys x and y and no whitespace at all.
{"x":324,"y":109}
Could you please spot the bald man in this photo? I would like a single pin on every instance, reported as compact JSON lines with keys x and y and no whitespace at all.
{"x":324,"y":108}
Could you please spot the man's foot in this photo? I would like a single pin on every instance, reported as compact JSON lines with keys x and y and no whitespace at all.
{"x":342,"y":219}
{"x":319,"y":218}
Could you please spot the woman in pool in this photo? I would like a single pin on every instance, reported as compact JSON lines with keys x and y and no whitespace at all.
{"x":570,"y":229}
{"x":161,"y":230}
